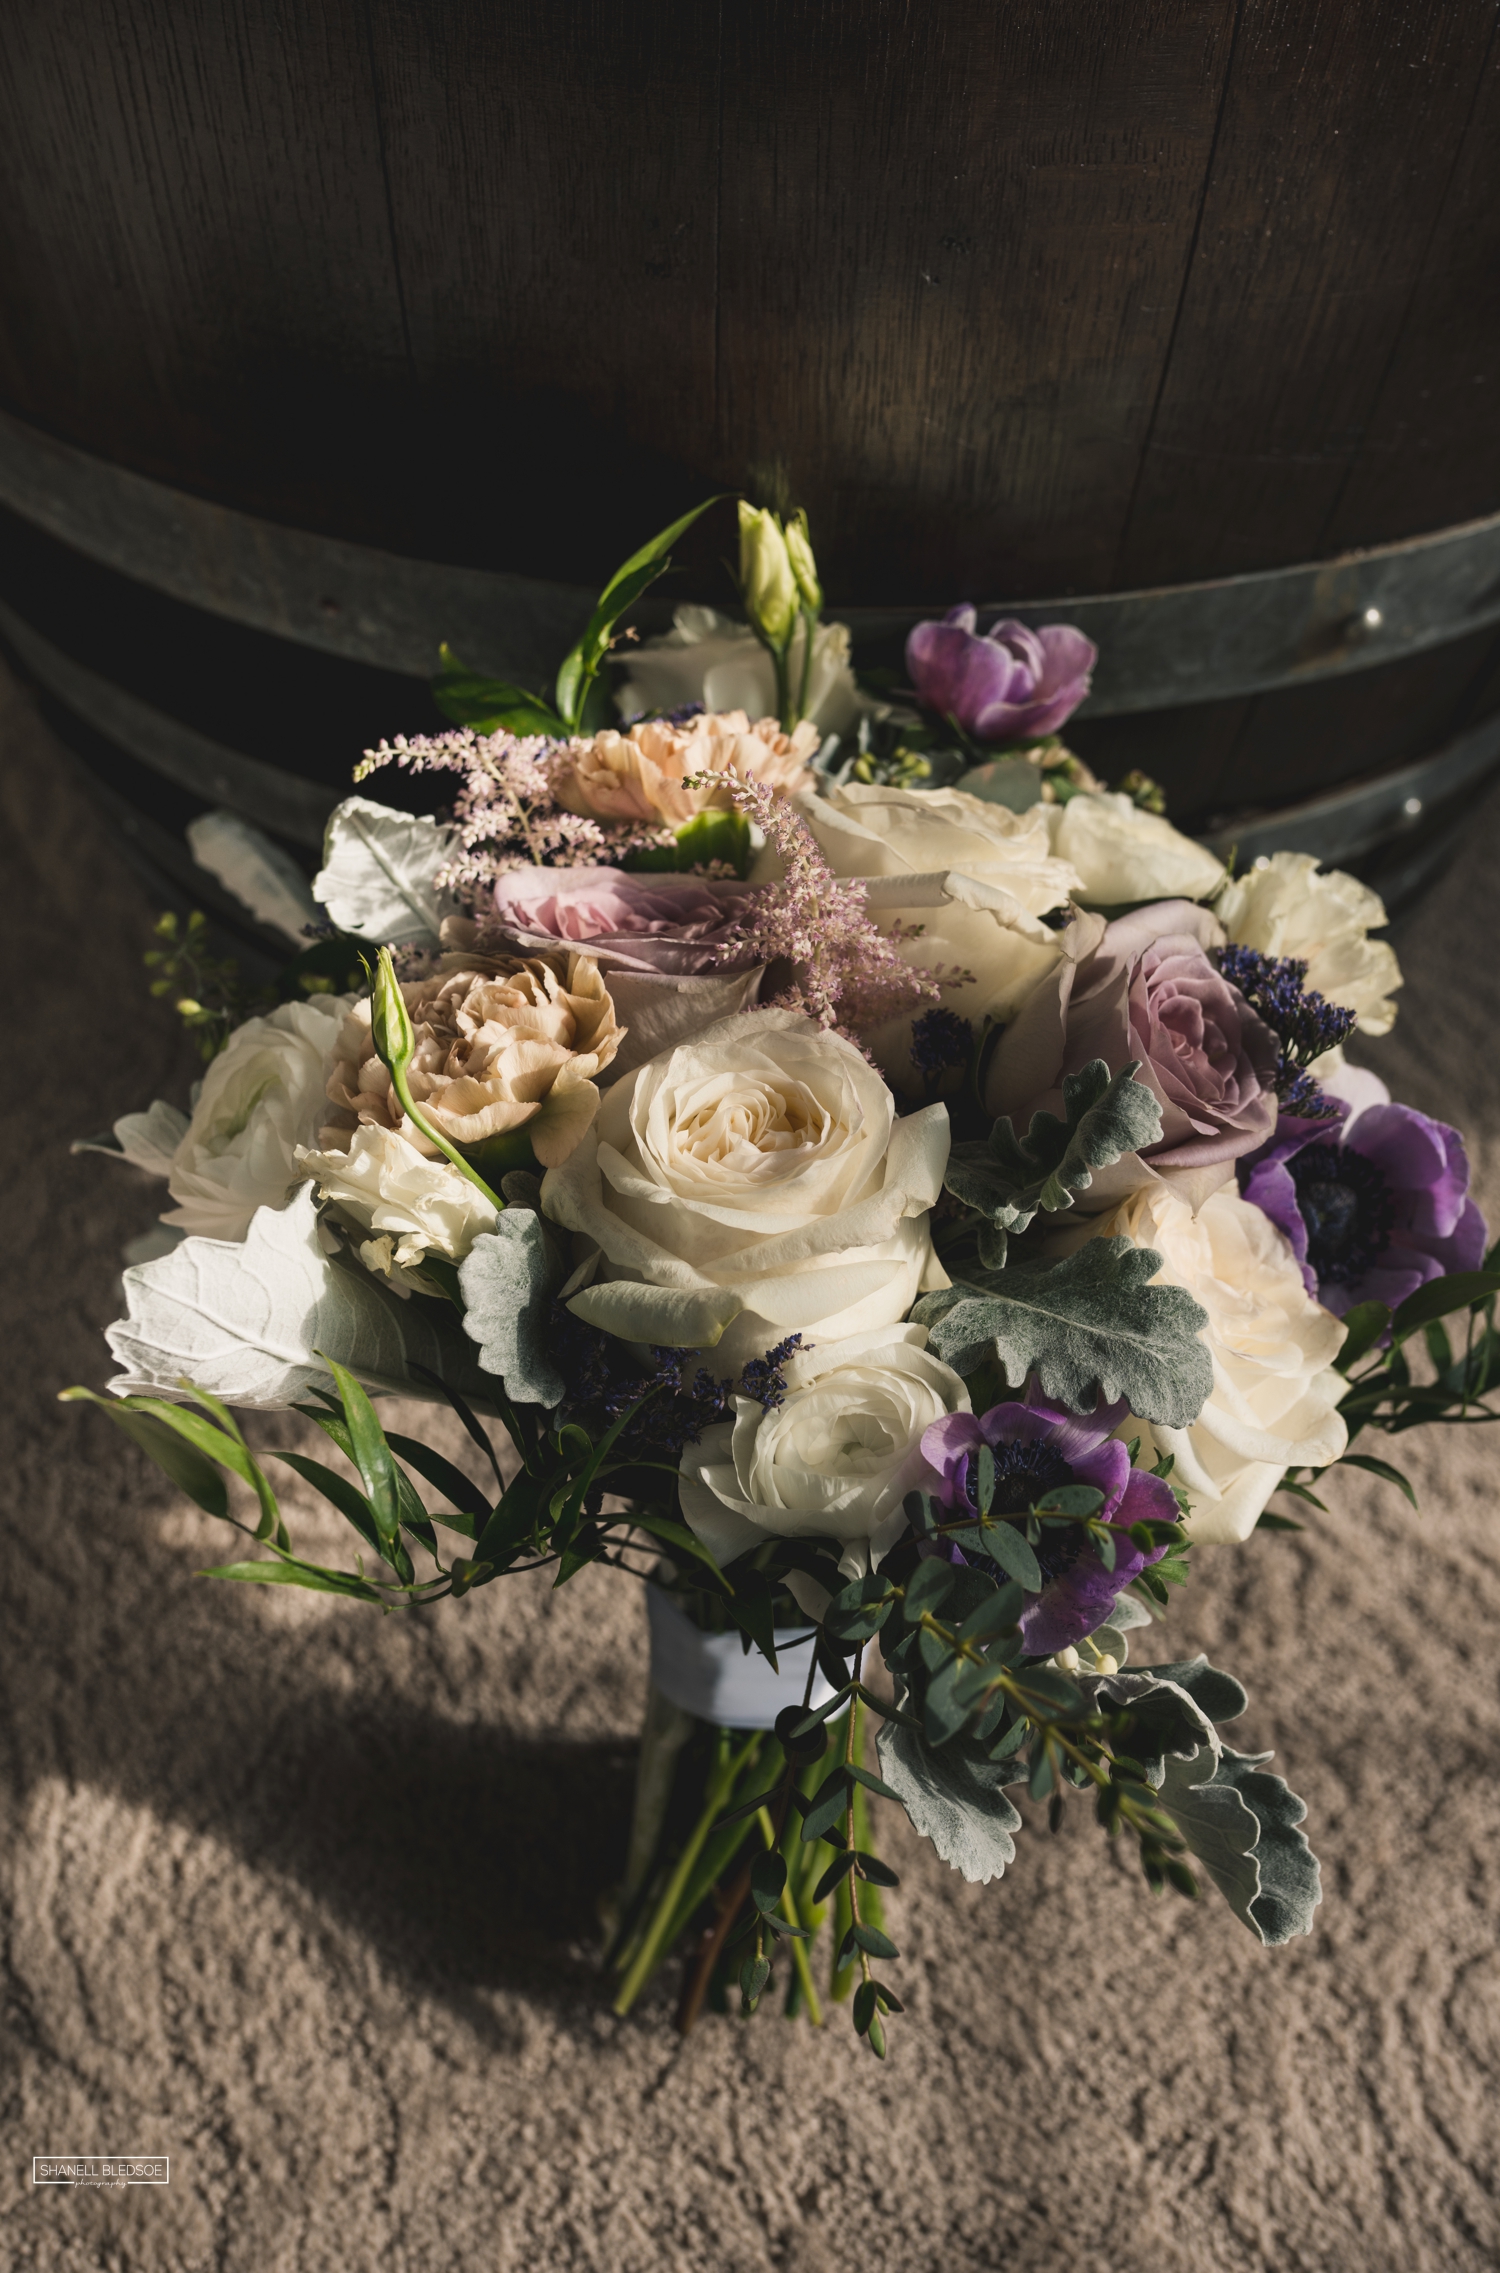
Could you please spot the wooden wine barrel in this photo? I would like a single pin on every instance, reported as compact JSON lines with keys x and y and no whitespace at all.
{"x":329,"y":332}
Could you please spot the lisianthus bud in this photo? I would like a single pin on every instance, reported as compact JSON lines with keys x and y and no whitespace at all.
{"x":766,"y":579}
{"x":390,"y":1024}
{"x":804,"y":567}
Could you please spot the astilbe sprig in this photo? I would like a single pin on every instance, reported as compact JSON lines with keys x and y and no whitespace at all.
{"x":506,"y":812}
{"x":846,"y":972}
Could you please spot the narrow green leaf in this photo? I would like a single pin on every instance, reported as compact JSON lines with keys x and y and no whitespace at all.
{"x":1440,"y":1297}
{"x":182,"y":1462}
{"x":1380,"y":1468}
{"x":441,"y":1473}
{"x":372,"y":1455}
{"x":1363,"y":1326}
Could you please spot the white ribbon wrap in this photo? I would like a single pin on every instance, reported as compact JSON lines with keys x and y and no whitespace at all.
{"x":714,"y":1677}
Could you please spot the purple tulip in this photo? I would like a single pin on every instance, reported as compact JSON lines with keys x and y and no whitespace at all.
{"x":1011,"y":685}
{"x":1037,"y":1448}
{"x":1374,"y":1206}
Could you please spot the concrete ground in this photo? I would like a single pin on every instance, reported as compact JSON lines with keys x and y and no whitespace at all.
{"x":304,"y":1898}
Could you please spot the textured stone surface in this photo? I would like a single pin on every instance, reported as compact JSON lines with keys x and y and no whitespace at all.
{"x":303,"y":1897}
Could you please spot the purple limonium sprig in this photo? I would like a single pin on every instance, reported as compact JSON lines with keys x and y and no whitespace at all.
{"x":1039,"y":1447}
{"x":604,"y":1380}
{"x":940,"y":1040}
{"x":1305,"y":1025}
{"x":1374,"y":1207}
{"x":1008,"y":684}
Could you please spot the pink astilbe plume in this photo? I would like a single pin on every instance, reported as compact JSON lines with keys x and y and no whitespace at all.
{"x":848,"y":973}
{"x":506,"y":812}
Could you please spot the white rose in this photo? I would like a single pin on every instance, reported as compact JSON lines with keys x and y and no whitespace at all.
{"x":1123,"y":854}
{"x":976,"y":878}
{"x":1275,"y":1395}
{"x":1285,"y":907}
{"x":834,"y":1460}
{"x":706,"y":658}
{"x":750,"y":1184}
{"x":411,"y":1205}
{"x":261,"y":1098}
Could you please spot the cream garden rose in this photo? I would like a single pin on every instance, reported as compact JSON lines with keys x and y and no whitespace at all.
{"x":1274,"y":1402}
{"x":750,"y":1184}
{"x":1122,"y":854}
{"x":1284,"y":907}
{"x":262,"y":1098}
{"x":973,"y":879}
{"x":638,"y":775}
{"x":835,"y":1459}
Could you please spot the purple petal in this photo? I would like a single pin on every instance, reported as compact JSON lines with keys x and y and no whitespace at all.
{"x":1025,"y":645}
{"x":1070,"y":659}
{"x":963,"y":615}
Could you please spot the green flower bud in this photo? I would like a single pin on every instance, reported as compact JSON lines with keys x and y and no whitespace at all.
{"x":390,"y":1022}
{"x":766,"y":579}
{"x":804,"y":567}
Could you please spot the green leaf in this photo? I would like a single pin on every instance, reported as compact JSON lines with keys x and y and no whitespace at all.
{"x":490,"y":705}
{"x":287,"y":1572}
{"x":953,"y":1796}
{"x":1457,"y":1291}
{"x":346,"y":1497}
{"x":767,"y":1880}
{"x":678,"y":1537}
{"x":372,"y":1455}
{"x":1089,"y":1325}
{"x":460,"y":1489}
{"x":180,"y":1461}
{"x":1006,"y":1545}
{"x":520,"y":1509}
{"x":509,"y":1278}
{"x":230,"y":1450}
{"x":1363,"y":1326}
{"x":630,"y":580}
{"x":1242,"y":1825}
{"x":1380,"y":1468}
{"x":1010,"y":1179}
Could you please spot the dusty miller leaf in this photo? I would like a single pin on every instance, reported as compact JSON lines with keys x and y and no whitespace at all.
{"x":1092,"y":1322}
{"x":378,"y":867}
{"x":246,"y":1320}
{"x":1009,"y":1178}
{"x":954,"y":1797}
{"x":508,"y":1281}
{"x":1241,"y":1823}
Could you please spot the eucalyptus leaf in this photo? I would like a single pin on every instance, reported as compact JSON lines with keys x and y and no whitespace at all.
{"x":955,"y":1797}
{"x":1241,"y":1823}
{"x":246,"y":1321}
{"x":1092,"y":1324}
{"x":1009,"y":1179}
{"x":508,"y":1280}
{"x":377,"y":876}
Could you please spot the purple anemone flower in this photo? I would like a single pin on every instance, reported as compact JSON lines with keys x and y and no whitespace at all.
{"x":1011,"y":685}
{"x":1038,"y":1447}
{"x":1374,"y":1206}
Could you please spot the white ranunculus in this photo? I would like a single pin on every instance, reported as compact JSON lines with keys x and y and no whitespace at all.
{"x":1286,"y":908}
{"x":1274,"y":1402}
{"x":751,"y":1184}
{"x":411,"y":1206}
{"x":261,"y":1098}
{"x":835,"y":1459}
{"x":1123,"y":854}
{"x":976,"y":878}
{"x":706,"y":658}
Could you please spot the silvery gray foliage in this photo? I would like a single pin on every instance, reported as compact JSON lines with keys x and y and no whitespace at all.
{"x":1242,"y":1825}
{"x":378,"y":867}
{"x":508,"y":1280}
{"x":1239,"y":1822}
{"x":1090,"y":1324}
{"x":954,"y":1797}
{"x":1009,"y":1179}
{"x":247,"y":1320}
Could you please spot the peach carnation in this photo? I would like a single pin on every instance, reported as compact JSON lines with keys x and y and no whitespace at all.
{"x":513,"y":1046}
{"x":638,"y":776}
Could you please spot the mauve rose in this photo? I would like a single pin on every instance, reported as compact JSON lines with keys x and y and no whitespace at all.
{"x":676,"y":924}
{"x":1143,"y":987}
{"x":1011,"y":685}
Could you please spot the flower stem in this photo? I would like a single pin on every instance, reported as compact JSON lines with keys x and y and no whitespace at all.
{"x":793,"y":1918}
{"x":652,"y":1948}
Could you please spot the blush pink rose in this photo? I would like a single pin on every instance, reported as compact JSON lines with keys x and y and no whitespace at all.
{"x":679,"y":925}
{"x":1143,"y":987}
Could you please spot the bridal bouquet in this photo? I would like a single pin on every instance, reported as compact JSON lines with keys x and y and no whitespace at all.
{"x":848,"y":1169}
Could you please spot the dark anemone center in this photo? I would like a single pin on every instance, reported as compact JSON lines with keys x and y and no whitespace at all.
{"x":1024,"y":1473}
{"x":1347,"y":1206}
